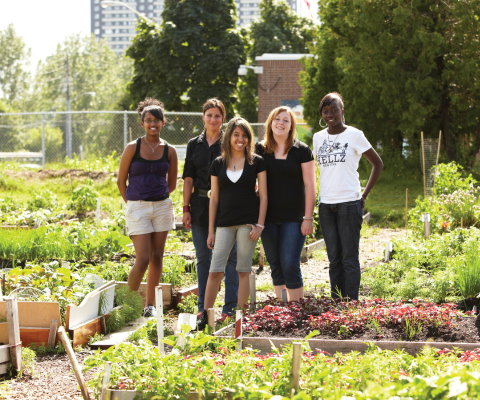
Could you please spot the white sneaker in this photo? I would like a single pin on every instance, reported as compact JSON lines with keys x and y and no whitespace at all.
{"x":149,"y":311}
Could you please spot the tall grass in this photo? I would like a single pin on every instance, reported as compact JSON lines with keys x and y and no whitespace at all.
{"x":468,"y":273}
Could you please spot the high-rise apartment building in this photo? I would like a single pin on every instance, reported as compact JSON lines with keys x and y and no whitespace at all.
{"x":117,"y":23}
{"x":249,"y":10}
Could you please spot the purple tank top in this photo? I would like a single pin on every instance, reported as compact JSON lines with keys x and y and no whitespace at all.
{"x":147,"y":179}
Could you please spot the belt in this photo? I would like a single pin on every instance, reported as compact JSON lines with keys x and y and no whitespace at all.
{"x":158,"y":198}
{"x":201,"y":192}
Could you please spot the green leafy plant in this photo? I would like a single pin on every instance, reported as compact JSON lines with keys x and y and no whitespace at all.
{"x":189,"y":304}
{"x":84,"y":198}
{"x":28,"y":361}
{"x":468,"y":273}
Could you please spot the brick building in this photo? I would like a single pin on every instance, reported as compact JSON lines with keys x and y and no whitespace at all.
{"x":278,"y":85}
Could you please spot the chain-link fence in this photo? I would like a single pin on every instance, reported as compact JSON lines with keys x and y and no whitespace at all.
{"x":50,"y":136}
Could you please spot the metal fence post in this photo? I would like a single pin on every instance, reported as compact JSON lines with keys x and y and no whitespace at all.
{"x":43,"y":141}
{"x":125,"y":129}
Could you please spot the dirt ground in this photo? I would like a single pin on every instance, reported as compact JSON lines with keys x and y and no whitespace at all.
{"x":53,"y":377}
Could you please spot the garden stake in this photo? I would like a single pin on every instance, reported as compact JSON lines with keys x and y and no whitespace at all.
{"x":262,"y":257}
{"x":423,"y":159}
{"x":130,"y":129}
{"x":284,"y":295}
{"x":436,"y":166}
{"x":14,"y":333}
{"x":406,"y":211}
{"x":159,"y":307}
{"x":76,"y":368}
{"x":426,"y":224}
{"x":211,"y":318}
{"x":296,"y":356}
{"x":106,"y":379}
{"x":388,"y":249}
{"x":253,"y":290}
{"x":238,"y":328}
{"x":461,"y":222}
{"x":98,"y":211}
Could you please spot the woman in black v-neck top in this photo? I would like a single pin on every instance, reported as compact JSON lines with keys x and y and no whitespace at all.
{"x":235,"y":210}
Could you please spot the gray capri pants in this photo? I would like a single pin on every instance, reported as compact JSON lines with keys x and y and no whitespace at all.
{"x":225,"y":238}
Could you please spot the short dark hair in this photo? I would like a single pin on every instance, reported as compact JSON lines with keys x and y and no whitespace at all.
{"x":214,"y":103}
{"x":328,"y":98}
{"x":153,"y":106}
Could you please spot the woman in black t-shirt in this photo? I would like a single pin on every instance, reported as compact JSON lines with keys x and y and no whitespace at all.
{"x":235,"y":209}
{"x":291,"y":192}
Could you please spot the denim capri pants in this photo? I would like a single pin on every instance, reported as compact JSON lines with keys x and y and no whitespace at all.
{"x":225,"y":238}
{"x":283,"y":244}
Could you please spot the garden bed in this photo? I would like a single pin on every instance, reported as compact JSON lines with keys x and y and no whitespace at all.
{"x":364,"y":321}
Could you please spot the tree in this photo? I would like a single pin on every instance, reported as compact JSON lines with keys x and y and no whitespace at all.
{"x":193,"y":57}
{"x":403,"y":68}
{"x":13,"y":61}
{"x":279,"y":30}
{"x":97,"y":77}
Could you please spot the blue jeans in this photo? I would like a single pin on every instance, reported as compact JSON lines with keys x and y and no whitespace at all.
{"x":341,"y":224}
{"x":204,"y":258}
{"x":283,"y":244}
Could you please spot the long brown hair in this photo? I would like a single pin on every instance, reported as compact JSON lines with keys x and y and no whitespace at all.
{"x":226,"y":146}
{"x":269,"y":143}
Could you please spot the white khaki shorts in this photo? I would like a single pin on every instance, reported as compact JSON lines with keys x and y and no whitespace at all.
{"x":143,"y":217}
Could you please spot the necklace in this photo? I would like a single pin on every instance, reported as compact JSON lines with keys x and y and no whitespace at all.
{"x":331,"y":143}
{"x":153,"y":148}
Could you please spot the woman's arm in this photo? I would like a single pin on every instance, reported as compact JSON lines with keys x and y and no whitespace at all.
{"x":377,"y":164}
{"x":214,"y":196}
{"x":262,"y":193}
{"x":308,"y":172}
{"x":125,"y":162}
{"x":173,"y":171}
{"x":187,"y":195}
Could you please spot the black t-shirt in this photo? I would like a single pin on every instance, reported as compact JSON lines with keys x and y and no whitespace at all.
{"x":197,"y":165}
{"x":286,"y":191}
{"x":238,"y":202}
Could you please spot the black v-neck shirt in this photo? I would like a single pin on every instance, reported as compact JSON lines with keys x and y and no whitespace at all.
{"x":238,"y":202}
{"x":286,"y":191}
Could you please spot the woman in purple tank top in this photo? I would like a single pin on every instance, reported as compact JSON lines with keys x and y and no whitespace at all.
{"x":150,"y":165}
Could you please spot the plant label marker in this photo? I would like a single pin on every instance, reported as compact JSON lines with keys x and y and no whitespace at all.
{"x":65,"y":264}
{"x":38,"y":222}
{"x":238,"y":328}
{"x":253,"y":289}
{"x":406,"y":211}
{"x":284,"y":295}
{"x":426,"y":224}
{"x":159,"y":307}
{"x":211,"y":318}
{"x":106,"y":379}
{"x":296,"y":355}
{"x":98,"y":210}
{"x":388,"y":250}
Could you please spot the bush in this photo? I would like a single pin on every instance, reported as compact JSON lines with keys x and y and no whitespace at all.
{"x":84,"y":198}
{"x":468,"y":273}
{"x":42,"y":200}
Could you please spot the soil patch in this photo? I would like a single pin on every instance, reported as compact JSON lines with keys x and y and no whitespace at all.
{"x":50,"y":173}
{"x":463,"y":331}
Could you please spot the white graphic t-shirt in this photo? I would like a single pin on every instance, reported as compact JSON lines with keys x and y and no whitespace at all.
{"x":338,"y":157}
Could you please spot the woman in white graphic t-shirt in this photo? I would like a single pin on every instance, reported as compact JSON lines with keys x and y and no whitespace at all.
{"x":338,"y":149}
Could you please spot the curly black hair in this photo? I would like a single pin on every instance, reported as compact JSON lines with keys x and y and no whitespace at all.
{"x":158,"y":109}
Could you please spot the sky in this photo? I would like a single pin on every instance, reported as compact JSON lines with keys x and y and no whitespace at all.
{"x":43,"y":24}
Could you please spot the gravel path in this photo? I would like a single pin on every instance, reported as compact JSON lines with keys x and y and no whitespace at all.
{"x":53,"y":377}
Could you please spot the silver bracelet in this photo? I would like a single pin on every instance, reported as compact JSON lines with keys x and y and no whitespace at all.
{"x":308,"y":218}
{"x":260,"y":226}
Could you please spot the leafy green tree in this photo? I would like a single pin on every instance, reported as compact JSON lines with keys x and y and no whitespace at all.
{"x":279,"y":30}
{"x":13,"y":60}
{"x":403,"y":68}
{"x":97,"y":77}
{"x":193,"y":57}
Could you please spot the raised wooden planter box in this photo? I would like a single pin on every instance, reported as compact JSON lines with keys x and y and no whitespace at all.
{"x":181,"y":294}
{"x":116,"y":394}
{"x":345,"y":346}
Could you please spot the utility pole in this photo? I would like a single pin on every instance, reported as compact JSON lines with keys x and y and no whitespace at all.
{"x":69,"y":117}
